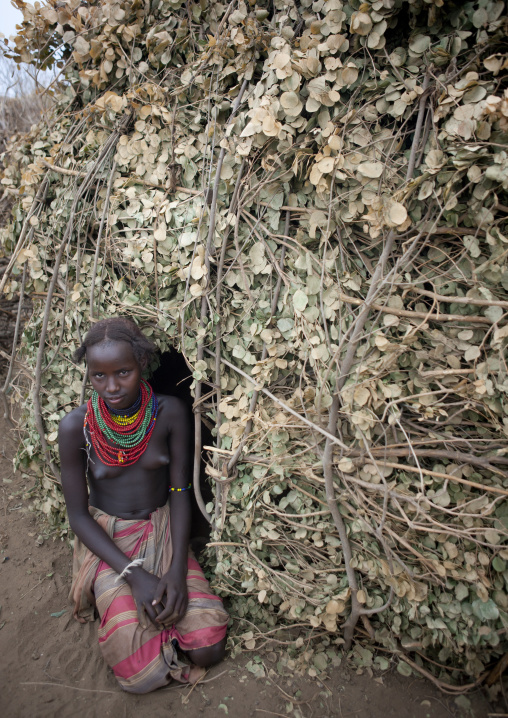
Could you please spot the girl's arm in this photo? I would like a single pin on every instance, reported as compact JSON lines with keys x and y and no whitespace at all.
{"x":172,"y":590}
{"x":73,"y":467}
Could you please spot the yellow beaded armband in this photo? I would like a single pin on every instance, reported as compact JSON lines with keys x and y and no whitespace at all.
{"x":186,"y":488}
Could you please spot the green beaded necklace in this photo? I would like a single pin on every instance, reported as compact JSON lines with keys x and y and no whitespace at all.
{"x":126,"y":441}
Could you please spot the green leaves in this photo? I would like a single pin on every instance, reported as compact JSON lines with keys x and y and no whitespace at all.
{"x":325,"y":127}
{"x":257,"y":258}
{"x":485,"y":610}
{"x":419,"y":44}
{"x":300,"y":300}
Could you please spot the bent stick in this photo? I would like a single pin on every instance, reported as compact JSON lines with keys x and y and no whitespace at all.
{"x":345,"y":368}
{"x":197,"y":394}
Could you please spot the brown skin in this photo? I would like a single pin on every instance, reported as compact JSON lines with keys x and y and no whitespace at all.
{"x":133,"y":492}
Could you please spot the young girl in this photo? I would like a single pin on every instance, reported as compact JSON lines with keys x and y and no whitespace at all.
{"x":131,"y":552}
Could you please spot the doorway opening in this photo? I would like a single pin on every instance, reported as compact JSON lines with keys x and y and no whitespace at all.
{"x":173,"y":377}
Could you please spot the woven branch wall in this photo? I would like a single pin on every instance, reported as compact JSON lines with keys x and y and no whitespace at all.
{"x":308,"y":200}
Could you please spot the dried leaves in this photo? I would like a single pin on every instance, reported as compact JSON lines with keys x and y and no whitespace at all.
{"x":324,"y":131}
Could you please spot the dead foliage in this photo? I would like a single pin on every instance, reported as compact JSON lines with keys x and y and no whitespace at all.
{"x":307,"y":199}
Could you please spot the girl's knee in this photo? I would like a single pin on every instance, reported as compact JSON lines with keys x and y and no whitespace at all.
{"x":208,"y":656}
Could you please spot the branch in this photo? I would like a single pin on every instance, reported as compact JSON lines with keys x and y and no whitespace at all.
{"x":349,"y":625}
{"x":252,"y":406}
{"x":200,"y":349}
{"x":467,"y":318}
{"x":60,"y":170}
{"x":281,"y":403}
{"x":445,"y":687}
{"x":456,"y":300}
{"x":344,"y":370}
{"x":16,"y":330}
{"x":448,"y":477}
{"x":99,"y":237}
{"x":483,"y":462}
{"x":220,"y":500}
{"x":418,"y":129}
{"x":109,"y":145}
{"x":36,"y":206}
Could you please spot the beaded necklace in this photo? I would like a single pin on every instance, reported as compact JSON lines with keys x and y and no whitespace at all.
{"x":120,"y":439}
{"x":126,"y":413}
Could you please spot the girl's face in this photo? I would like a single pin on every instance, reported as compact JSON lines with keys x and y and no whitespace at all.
{"x":114,"y":372}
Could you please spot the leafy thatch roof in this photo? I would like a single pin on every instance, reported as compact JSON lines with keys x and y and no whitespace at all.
{"x":308,"y":200}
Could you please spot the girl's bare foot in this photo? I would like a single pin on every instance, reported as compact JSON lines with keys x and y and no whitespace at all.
{"x":195,"y":673}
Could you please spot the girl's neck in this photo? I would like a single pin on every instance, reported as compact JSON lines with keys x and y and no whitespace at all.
{"x":130,"y":411}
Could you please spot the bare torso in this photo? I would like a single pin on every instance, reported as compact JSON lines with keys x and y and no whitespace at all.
{"x":133,"y":492}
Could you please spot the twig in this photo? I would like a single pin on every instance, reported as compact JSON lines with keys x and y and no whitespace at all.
{"x":7,"y":311}
{"x":83,"y":188}
{"x":456,"y":300}
{"x":484,"y":462}
{"x":418,"y":128}
{"x":445,"y":372}
{"x":445,"y":687}
{"x":60,"y":170}
{"x":64,"y":685}
{"x":200,"y":348}
{"x":239,"y":256}
{"x":218,"y":335}
{"x":498,"y":670}
{"x":448,"y":477}
{"x":36,"y":205}
{"x":33,"y":587}
{"x":287,"y":695}
{"x":99,"y":237}
{"x":264,"y":353}
{"x":16,"y":331}
{"x":213,"y":678}
{"x":185,"y":699}
{"x":352,"y":620}
{"x":281,"y":403}
{"x":342,"y":375}
{"x":410,"y":314}
{"x":396,"y":72}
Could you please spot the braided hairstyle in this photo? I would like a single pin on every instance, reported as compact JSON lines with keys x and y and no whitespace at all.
{"x":118,"y":329}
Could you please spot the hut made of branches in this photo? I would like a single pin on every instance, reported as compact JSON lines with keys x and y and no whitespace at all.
{"x":308,"y":201}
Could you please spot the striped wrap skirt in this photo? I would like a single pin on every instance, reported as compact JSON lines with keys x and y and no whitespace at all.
{"x":143,"y":658}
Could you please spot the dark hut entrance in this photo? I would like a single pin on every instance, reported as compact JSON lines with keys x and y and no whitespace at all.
{"x":174,"y":378}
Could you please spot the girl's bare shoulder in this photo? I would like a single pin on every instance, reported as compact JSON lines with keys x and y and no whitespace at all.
{"x":71,"y":426}
{"x":173,"y":409}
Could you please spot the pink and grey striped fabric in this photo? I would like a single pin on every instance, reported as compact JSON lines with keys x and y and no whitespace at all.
{"x":143,"y":658}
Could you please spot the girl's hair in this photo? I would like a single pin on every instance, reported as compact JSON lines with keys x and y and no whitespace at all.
{"x":118,"y":329}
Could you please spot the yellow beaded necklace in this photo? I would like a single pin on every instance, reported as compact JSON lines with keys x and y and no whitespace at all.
{"x":125,"y":420}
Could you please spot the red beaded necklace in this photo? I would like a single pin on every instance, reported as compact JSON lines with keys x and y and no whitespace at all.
{"x":116,"y":444}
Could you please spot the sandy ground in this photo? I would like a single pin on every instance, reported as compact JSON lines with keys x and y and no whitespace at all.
{"x":50,"y":665}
